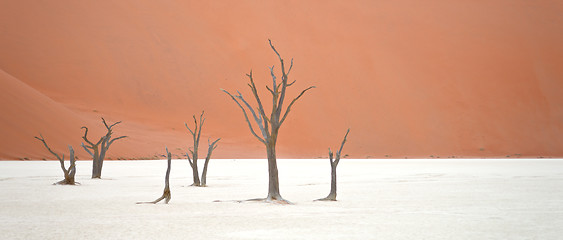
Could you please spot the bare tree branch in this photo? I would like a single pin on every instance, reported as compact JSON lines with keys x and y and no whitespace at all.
{"x":341,"y":146}
{"x":201,"y":122}
{"x":87,"y":150}
{"x":292,"y":102}
{"x":330,"y":156}
{"x":213,"y":145}
{"x":270,"y":90}
{"x":188,"y":128}
{"x":290,"y":67}
{"x":245,"y":117}
{"x":289,"y":84}
{"x":257,"y":117}
{"x":276,"y":51}
{"x":110,"y":126}
{"x":276,"y":112}
{"x":85,"y":137}
{"x":117,"y":138}
{"x":42,"y":139}
{"x":189,"y":160}
{"x":274,"y":84}
{"x":260,"y":106}
{"x":275,"y":92}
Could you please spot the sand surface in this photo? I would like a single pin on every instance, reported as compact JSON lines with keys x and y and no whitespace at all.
{"x":411,"y":78}
{"x":377,"y":199}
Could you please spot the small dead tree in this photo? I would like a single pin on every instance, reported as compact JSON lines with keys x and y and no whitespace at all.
{"x":99,"y":149}
{"x":269,"y":125}
{"x":196,"y":134}
{"x":68,"y":173}
{"x":210,"y":148}
{"x":166,"y":195}
{"x":333,"y":164}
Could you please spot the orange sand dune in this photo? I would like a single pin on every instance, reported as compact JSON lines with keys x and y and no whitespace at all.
{"x":410,"y":78}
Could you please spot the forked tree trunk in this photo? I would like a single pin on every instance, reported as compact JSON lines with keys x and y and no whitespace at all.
{"x":333,"y":164}
{"x":196,"y":134}
{"x":166,"y":195}
{"x":269,"y":125}
{"x":68,"y":173}
{"x":98,"y":150}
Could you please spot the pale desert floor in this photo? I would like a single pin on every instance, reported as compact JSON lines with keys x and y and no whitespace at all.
{"x":377,"y":199}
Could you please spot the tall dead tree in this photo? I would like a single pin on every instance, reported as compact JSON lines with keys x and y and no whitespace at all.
{"x":99,"y":149}
{"x":166,"y":195}
{"x":68,"y":173}
{"x":269,"y":125}
{"x":196,"y":134}
{"x":333,"y":164}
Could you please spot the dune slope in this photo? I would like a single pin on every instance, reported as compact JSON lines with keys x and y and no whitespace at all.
{"x":412,"y":79}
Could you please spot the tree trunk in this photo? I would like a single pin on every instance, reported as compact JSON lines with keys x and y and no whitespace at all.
{"x":96,"y":164}
{"x":204,"y":173}
{"x":166,"y":195}
{"x":195,"y":173}
{"x":69,"y":174}
{"x":210,"y":148}
{"x":72,"y":168}
{"x":103,"y":151}
{"x":273,"y":185}
{"x":332,"y":195}
{"x":99,"y":153}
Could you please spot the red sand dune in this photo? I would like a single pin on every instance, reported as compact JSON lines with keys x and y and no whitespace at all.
{"x":410,"y":78}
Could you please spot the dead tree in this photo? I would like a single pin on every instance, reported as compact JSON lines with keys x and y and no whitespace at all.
{"x":210,"y":148}
{"x":68,"y":173}
{"x":99,"y":149}
{"x":196,"y":133}
{"x":166,"y":195}
{"x":193,"y":160}
{"x":269,"y":125}
{"x":333,"y":164}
